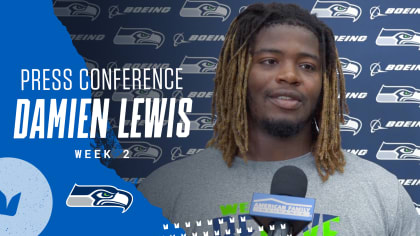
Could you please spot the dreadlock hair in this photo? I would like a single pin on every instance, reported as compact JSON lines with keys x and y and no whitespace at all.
{"x":231,"y":81}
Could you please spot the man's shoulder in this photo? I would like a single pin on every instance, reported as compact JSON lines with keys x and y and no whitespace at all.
{"x":367,"y":170}
{"x":206,"y":156}
{"x":163,"y":186}
{"x":200,"y":162}
{"x":380,"y":184}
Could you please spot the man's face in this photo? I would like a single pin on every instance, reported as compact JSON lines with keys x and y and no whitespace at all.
{"x":284,"y":82}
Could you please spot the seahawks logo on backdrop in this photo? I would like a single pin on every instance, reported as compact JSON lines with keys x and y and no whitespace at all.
{"x":199,"y":8}
{"x":200,"y":121}
{"x":398,"y":94}
{"x":99,"y":196}
{"x":398,"y":151}
{"x":336,"y":9}
{"x":142,"y":150}
{"x":375,"y":68}
{"x":198,"y":65}
{"x":398,"y":37}
{"x":351,"y":124}
{"x":350,"y":67}
{"x":76,"y":8}
{"x":139,"y":36}
{"x":135,"y":93}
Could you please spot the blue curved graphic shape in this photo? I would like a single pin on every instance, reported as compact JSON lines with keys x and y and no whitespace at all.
{"x":52,"y":48}
{"x":9,"y":209}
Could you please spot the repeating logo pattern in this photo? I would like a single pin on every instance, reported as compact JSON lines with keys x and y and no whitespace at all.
{"x":375,"y":11}
{"x":350,"y":67}
{"x":398,"y":37}
{"x":201,"y":121}
{"x":351,"y":124}
{"x":142,"y":150}
{"x":139,"y":36}
{"x":375,"y":68}
{"x":376,"y":125}
{"x":336,"y":9}
{"x":398,"y":151}
{"x":198,"y":65}
{"x":398,"y":94}
{"x":199,"y":8}
{"x":179,"y":38}
{"x":63,"y":8}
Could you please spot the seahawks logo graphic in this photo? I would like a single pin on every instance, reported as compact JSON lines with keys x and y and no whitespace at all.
{"x":204,"y":9}
{"x":201,"y":121}
{"x":375,"y":68}
{"x":376,"y":125}
{"x":398,"y":94}
{"x":398,"y":37}
{"x":198,"y":65}
{"x":143,"y":150}
{"x":139,"y":36}
{"x":136,"y":93}
{"x":176,"y":153}
{"x":398,"y":151}
{"x":375,"y":11}
{"x":336,"y":9}
{"x":350,"y":67}
{"x":99,"y":196}
{"x":351,"y":124}
{"x":76,"y":8}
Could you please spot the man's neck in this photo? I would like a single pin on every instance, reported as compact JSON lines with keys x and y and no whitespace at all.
{"x":265,"y":147}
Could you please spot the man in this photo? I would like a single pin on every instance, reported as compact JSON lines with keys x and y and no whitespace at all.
{"x":276,"y":98}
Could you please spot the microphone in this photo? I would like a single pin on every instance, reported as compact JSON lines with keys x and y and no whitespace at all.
{"x":285,"y":211}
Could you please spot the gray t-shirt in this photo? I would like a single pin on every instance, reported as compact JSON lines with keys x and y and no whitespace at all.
{"x":203,"y":192}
